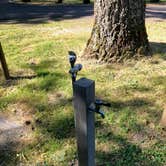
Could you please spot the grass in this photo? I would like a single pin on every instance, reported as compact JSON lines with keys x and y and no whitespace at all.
{"x":129,"y":135}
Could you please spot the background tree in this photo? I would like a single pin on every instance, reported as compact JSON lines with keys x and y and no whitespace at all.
{"x":86,"y":1}
{"x":154,"y":0}
{"x":59,"y":1}
{"x":26,"y":0}
{"x":119,"y":30}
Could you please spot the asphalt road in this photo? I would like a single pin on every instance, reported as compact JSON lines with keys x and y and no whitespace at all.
{"x":156,"y":12}
{"x":31,"y":13}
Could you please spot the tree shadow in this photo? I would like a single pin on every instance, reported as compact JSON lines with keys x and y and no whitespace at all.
{"x":128,"y":112}
{"x":159,"y":48}
{"x":8,"y":156}
{"x":57,"y":128}
{"x":36,"y":13}
{"x":52,"y":122}
{"x":127,"y":154}
{"x":134,"y":103}
{"x":40,"y":70}
{"x":10,"y":144}
{"x":124,"y":151}
{"x":57,"y":124}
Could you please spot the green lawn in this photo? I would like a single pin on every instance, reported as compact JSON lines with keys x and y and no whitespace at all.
{"x":130,"y":135}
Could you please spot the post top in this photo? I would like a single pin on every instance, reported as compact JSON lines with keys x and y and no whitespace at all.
{"x":84,"y":82}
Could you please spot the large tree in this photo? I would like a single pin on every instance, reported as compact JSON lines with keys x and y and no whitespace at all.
{"x":119,"y":30}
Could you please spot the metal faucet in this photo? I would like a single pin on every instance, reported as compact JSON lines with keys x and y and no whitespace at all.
{"x":95,"y":107}
{"x":74,"y":68}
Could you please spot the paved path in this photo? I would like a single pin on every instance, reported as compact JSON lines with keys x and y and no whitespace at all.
{"x":30,"y":13}
{"x":15,"y":130}
{"x":3,"y":1}
{"x":11,"y":131}
{"x":5,"y":124}
{"x":156,"y":12}
{"x":12,"y":136}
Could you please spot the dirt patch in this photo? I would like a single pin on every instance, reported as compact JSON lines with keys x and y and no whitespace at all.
{"x":12,"y":132}
{"x":16,"y":127}
{"x":55,"y":97}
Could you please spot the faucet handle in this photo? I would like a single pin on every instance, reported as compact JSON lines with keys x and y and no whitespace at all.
{"x":94,"y":108}
{"x":99,"y":102}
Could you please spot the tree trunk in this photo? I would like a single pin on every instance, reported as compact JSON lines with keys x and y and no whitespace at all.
{"x":119,"y":31}
{"x":4,"y":64}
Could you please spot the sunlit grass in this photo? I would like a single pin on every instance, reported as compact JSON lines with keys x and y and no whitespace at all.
{"x":129,"y":135}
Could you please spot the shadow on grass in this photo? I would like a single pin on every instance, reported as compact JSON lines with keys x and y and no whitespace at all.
{"x":61,"y":128}
{"x":159,"y":48}
{"x":124,"y":152}
{"x":44,"y":65}
{"x":47,"y":82}
{"x":9,"y":145}
{"x":41,"y":70}
{"x":8,"y":157}
{"x":36,"y":13}
{"x":128,"y":153}
{"x":22,"y":77}
{"x":127,"y":116}
{"x":134,"y":103}
{"x":54,"y":120}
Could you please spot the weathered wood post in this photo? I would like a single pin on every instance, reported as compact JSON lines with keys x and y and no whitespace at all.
{"x":4,"y":64}
{"x":84,"y":95}
{"x":85,"y":105}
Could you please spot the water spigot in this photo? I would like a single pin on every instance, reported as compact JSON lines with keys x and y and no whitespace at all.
{"x":102,"y":103}
{"x":95,"y":107}
{"x":72,"y":58}
{"x":74,"y":68}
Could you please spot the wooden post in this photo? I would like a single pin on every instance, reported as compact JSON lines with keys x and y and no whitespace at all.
{"x":84,"y":95}
{"x":4,"y":64}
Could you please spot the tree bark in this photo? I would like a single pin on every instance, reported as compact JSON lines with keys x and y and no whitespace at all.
{"x":4,"y":64}
{"x":119,"y":31}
